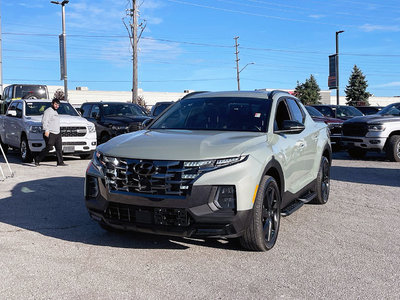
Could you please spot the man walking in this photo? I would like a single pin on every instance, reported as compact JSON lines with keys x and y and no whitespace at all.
{"x":51,"y":133}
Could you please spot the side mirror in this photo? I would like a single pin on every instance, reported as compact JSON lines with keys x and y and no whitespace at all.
{"x":291,"y":127}
{"x":12,"y":113}
{"x":147,"y":122}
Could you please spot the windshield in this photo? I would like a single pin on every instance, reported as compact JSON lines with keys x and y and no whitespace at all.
{"x":122,"y":109}
{"x":31,"y":92}
{"x":348,"y":111}
{"x":219,"y":113}
{"x":314,"y":112}
{"x":37,"y":109}
{"x":392,"y":109}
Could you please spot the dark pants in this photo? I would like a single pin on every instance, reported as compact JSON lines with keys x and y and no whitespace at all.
{"x":52,"y":140}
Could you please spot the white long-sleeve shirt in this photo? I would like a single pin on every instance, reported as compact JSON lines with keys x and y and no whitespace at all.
{"x":51,"y":121}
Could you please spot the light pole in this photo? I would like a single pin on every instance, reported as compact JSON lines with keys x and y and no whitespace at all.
{"x":337,"y":65}
{"x":63,"y":48}
{"x":238,"y":72}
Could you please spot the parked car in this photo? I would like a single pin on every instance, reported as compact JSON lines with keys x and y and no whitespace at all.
{"x":334,"y":125}
{"x":343,"y":112}
{"x":369,"y":110}
{"x":159,"y":107}
{"x":113,"y":118}
{"x":379,"y":132}
{"x":21,"y":128}
{"x":216,"y":164}
{"x":22,"y":91}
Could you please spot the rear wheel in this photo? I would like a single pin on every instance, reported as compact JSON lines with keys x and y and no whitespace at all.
{"x":263,"y":230}
{"x":26,"y":154}
{"x":393,"y":148}
{"x":323,"y":182}
{"x":357,"y":153}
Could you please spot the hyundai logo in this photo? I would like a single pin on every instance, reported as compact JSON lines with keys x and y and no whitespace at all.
{"x":145,"y":169}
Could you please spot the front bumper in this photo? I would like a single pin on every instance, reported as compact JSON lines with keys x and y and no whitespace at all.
{"x":372,"y":143}
{"x":71,"y":145}
{"x":191,"y":215}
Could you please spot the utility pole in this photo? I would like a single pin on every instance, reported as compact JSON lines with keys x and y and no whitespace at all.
{"x":1,"y":61}
{"x":63,"y":48}
{"x":132,"y":31}
{"x":337,"y":66}
{"x":237,"y":62}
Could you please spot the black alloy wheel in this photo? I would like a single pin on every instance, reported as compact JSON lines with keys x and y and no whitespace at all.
{"x":393,"y":148}
{"x":323,"y":182}
{"x":26,"y":154}
{"x":262,"y":232}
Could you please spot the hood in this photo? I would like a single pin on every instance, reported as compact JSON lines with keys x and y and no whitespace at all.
{"x":326,"y":119}
{"x":181,"y":144}
{"x":125,"y":119}
{"x":374,"y":119}
{"x":67,"y":120}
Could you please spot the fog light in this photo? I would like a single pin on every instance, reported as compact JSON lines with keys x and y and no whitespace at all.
{"x":225,"y":197}
{"x":92,"y":187}
{"x":375,"y":142}
{"x":94,"y":143}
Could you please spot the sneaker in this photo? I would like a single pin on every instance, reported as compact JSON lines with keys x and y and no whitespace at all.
{"x":62,"y":164}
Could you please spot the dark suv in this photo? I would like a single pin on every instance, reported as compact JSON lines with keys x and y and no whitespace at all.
{"x":113,"y":118}
{"x":159,"y":107}
{"x":343,"y":112}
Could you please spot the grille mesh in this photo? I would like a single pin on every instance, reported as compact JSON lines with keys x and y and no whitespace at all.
{"x":152,"y":177}
{"x":73,"y":131}
{"x":354,"y":129}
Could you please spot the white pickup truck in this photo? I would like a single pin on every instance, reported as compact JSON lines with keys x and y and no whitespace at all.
{"x":21,"y":128}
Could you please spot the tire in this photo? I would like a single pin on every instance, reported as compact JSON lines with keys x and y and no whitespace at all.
{"x":323,"y":182}
{"x":4,"y":146}
{"x":357,"y":153}
{"x":104,"y":138}
{"x":262,"y":232}
{"x":393,"y":148}
{"x":26,"y":154}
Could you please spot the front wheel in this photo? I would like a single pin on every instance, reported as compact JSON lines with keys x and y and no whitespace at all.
{"x":263,"y":229}
{"x":26,"y":154}
{"x":323,"y":182}
{"x":393,"y":148}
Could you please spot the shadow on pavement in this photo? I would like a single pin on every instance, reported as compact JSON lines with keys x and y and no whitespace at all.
{"x":55,"y":207}
{"x":376,"y":176}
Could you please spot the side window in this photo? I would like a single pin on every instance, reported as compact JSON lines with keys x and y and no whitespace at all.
{"x":282,"y":114}
{"x":85,"y":109}
{"x":19,"y":110}
{"x":12,"y":106}
{"x":95,"y":112}
{"x":5,"y":92}
{"x":295,"y":110}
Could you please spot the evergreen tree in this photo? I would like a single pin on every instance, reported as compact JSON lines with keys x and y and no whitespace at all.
{"x":356,"y":90}
{"x":308,"y":92}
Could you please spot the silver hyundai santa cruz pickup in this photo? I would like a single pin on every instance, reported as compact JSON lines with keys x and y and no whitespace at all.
{"x":214,"y":164}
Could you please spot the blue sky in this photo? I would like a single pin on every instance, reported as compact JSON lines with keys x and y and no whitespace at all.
{"x":189,"y":44}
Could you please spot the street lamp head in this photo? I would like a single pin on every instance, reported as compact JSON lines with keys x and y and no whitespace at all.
{"x":340,"y":31}
{"x":55,"y":2}
{"x":61,"y":3}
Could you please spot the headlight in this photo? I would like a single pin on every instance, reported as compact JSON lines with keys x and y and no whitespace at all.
{"x":193,"y":169}
{"x":35,"y":129}
{"x":98,"y":160}
{"x":91,"y":129}
{"x":376,"y":127}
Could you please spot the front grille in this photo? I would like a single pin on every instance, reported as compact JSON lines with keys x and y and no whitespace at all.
{"x":73,"y":131}
{"x":153,"y":177}
{"x":124,"y":213}
{"x":74,"y":143}
{"x":135,"y":127}
{"x":335,"y":129}
{"x":354,"y":129}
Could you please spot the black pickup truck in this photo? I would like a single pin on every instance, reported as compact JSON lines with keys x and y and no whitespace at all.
{"x":113,"y":118}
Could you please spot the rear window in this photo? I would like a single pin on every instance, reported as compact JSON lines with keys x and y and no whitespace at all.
{"x":30,"y":92}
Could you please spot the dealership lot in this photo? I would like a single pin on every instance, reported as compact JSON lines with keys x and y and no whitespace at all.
{"x":348,"y":248}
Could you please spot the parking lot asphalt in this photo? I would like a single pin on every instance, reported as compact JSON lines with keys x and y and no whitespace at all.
{"x":346,"y":249}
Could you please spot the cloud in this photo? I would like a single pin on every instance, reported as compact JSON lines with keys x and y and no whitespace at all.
{"x":389,"y":84}
{"x":317,"y":16}
{"x":370,"y":28}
